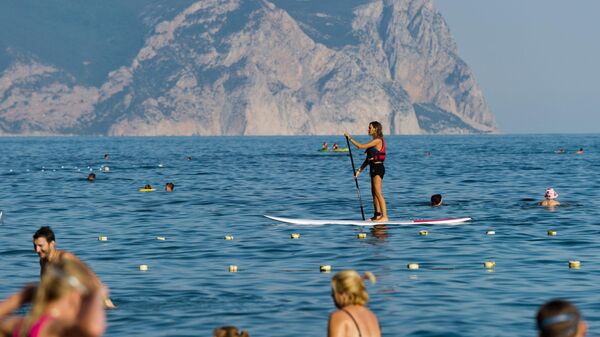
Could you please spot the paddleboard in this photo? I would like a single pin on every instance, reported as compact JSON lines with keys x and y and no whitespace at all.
{"x":448,"y":221}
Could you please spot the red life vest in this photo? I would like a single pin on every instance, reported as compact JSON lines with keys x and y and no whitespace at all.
{"x":377,"y":155}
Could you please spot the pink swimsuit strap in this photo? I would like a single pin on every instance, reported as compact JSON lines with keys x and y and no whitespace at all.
{"x":35,"y":328}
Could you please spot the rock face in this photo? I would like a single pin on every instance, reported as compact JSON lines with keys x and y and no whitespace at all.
{"x":248,"y":67}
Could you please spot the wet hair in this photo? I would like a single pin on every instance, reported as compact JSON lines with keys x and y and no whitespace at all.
{"x":558,"y":318}
{"x":229,"y":331}
{"x":148,"y":187}
{"x":170,"y":185}
{"x":59,"y":280}
{"x":349,"y":282}
{"x":44,"y":232}
{"x":436,"y":199}
{"x":378,"y":128}
{"x":91,"y":176}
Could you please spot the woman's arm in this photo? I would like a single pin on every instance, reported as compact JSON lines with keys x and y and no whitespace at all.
{"x":362,"y":167}
{"x":16,"y":300}
{"x":335,"y":327}
{"x":374,"y":142}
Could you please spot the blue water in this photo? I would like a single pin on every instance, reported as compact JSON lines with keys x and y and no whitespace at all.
{"x":278,"y":291}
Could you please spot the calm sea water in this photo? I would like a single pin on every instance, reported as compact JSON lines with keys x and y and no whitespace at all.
{"x":278,"y":291}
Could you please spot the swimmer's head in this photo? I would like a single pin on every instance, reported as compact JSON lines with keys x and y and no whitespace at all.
{"x":348,"y":287}
{"x":148,"y":187}
{"x":44,"y":241}
{"x":91,"y":177}
{"x":229,"y":331}
{"x":436,"y":200}
{"x":551,"y":194}
{"x":169,"y":187}
{"x":560,"y":318}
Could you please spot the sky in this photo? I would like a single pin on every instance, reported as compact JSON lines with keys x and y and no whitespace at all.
{"x":537,"y":61}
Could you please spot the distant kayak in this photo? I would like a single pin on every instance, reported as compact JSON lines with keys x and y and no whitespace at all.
{"x":339,"y":149}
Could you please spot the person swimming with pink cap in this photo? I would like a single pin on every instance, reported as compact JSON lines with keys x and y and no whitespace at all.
{"x":550,"y":196}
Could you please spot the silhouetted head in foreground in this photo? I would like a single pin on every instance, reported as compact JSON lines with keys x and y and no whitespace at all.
{"x":560,"y":318}
{"x":229,"y":331}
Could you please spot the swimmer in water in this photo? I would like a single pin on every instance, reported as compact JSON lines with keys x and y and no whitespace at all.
{"x":436,"y":200}
{"x":352,"y":317}
{"x":67,"y":302}
{"x":375,"y":157}
{"x":106,"y":156}
{"x":550,"y":196}
{"x":91,"y":177}
{"x":580,"y":151}
{"x":169,"y":187}
{"x":229,"y":331}
{"x":147,"y":187}
{"x":325,"y":147}
{"x":560,"y":318}
{"x":44,"y":244}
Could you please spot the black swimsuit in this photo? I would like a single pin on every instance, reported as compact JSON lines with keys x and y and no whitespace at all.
{"x":353,"y":320}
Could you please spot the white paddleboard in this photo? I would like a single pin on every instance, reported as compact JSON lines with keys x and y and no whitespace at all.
{"x":449,"y":221}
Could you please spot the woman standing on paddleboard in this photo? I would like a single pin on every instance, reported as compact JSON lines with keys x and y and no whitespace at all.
{"x":375,"y":157}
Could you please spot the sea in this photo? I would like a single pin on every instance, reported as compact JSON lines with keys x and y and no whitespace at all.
{"x":225,"y":186}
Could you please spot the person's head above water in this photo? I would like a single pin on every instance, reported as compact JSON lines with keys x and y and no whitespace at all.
{"x":551,"y":194}
{"x":348,"y":288}
{"x":436,"y":200}
{"x":169,"y":187}
{"x":229,"y":331}
{"x":91,"y":176}
{"x":375,"y":129}
{"x":560,"y":318}
{"x":44,"y":241}
{"x":147,"y":187}
{"x":67,"y":290}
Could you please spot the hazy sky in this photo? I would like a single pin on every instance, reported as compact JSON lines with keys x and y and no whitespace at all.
{"x":537,"y":61}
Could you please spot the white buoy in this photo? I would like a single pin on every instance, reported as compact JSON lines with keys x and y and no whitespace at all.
{"x":325,"y":268}
{"x":233,"y":268}
{"x":361,"y":235}
{"x":295,"y":236}
{"x":143,"y":267}
{"x":490,"y":232}
{"x":412,"y":266}
{"x":489,"y":264}
{"x":551,"y":232}
{"x":228,"y":237}
{"x":574,"y":264}
{"x":105,"y":168}
{"x":103,"y":238}
{"x":161,"y":238}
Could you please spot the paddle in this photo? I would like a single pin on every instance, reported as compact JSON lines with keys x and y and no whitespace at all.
{"x":362,"y":212}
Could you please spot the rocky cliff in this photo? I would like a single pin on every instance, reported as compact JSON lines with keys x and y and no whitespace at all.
{"x":248,"y":67}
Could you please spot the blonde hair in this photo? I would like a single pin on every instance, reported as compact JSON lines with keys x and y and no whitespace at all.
{"x":58,"y":280}
{"x":229,"y":331}
{"x":349,"y":282}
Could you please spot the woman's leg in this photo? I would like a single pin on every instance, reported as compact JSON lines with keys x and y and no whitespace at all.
{"x":378,"y":198}
{"x":376,"y":207}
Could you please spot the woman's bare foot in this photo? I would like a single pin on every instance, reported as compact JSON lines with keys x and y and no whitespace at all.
{"x":375,"y":217}
{"x":381,"y":219}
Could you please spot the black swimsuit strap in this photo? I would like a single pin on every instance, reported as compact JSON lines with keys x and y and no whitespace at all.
{"x":353,"y":320}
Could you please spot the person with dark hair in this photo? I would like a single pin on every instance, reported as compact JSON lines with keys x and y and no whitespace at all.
{"x":44,"y":244}
{"x":436,"y":200}
{"x":91,"y":177}
{"x":375,"y":157}
{"x":229,"y":331}
{"x":169,"y":187}
{"x":560,"y":318}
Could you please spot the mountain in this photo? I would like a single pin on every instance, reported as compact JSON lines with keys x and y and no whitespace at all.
{"x":242,"y":67}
